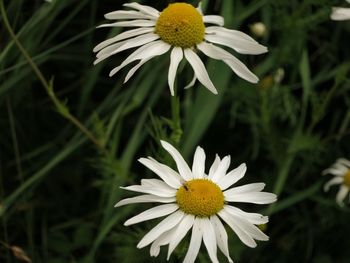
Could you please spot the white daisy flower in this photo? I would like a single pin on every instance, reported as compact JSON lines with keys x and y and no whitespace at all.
{"x":193,"y":199}
{"x":341,"y":171}
{"x":340,"y":13}
{"x":179,"y":28}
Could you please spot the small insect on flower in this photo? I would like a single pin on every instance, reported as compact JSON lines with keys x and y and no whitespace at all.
{"x":193,"y":199}
{"x":341,"y":171}
{"x":180,"y":28}
{"x":340,"y":13}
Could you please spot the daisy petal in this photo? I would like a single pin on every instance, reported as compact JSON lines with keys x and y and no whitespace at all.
{"x":165,"y":225}
{"x":199,"y":70}
{"x":182,"y":166}
{"x":155,"y":212}
{"x":333,"y":181}
{"x":143,"y":8}
{"x":132,"y":23}
{"x":344,"y":162}
{"x":162,"y":192}
{"x":162,"y":240}
{"x":211,"y":19}
{"x":333,"y":171}
{"x":236,"y":33}
{"x":221,"y":236}
{"x":253,"y":218}
{"x":145,"y":199}
{"x":122,"y":14}
{"x":252,"y":197}
{"x":343,"y":191}
{"x":340,"y":13}
{"x":209,"y":239}
{"x":198,"y":163}
{"x":232,"y":177}
{"x":222,"y":169}
{"x":255,"y":187}
{"x":214,"y":166}
{"x":192,"y":82}
{"x":175,"y":58}
{"x":195,"y":243}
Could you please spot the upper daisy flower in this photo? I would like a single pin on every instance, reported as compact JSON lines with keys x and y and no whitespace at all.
{"x":194,"y":199}
{"x":341,"y":171}
{"x":340,"y":13}
{"x":180,"y":28}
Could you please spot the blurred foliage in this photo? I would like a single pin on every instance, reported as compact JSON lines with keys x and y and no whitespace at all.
{"x":58,"y":186}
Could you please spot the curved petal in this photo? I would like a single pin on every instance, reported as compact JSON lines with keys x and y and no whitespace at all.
{"x":252,"y":197}
{"x":212,"y":19}
{"x":209,"y":239}
{"x":132,"y":23}
{"x":232,"y":177}
{"x":235,"y":64}
{"x":162,"y":192}
{"x":143,"y":8}
{"x":122,"y":14}
{"x":221,"y":236}
{"x":253,"y":218}
{"x":175,"y":58}
{"x":182,"y":166}
{"x":222,"y":169}
{"x":165,"y":225}
{"x":254,"y":187}
{"x":192,"y":82}
{"x":343,"y":191}
{"x":154,"y":212}
{"x":199,"y":70}
{"x":198,"y":163}
{"x":236,"y":33}
{"x":333,"y":181}
{"x":214,"y":166}
{"x":195,"y":243}
{"x":340,"y":13}
{"x":145,"y":199}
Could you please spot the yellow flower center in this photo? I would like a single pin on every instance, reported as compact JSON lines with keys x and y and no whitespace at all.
{"x":200,"y":197}
{"x":180,"y":25}
{"x":347,"y":179}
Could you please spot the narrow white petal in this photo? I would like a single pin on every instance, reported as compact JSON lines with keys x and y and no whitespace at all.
{"x":165,"y":225}
{"x":180,"y":232}
{"x":154,"y":212}
{"x":182,"y":166}
{"x":169,"y":170}
{"x":253,"y":218}
{"x":333,"y":171}
{"x":221,"y":236}
{"x":132,"y":23}
{"x":343,"y":191}
{"x":199,"y":8}
{"x":162,"y":240}
{"x":211,"y":19}
{"x":235,"y":64}
{"x":122,"y":36}
{"x":198,"y":163}
{"x":199,"y":70}
{"x":144,"y":9}
{"x":195,"y":243}
{"x":209,"y":239}
{"x":162,"y":192}
{"x":175,"y":58}
{"x":333,"y":181}
{"x":344,"y":162}
{"x":250,"y":229}
{"x":252,"y":197}
{"x":222,"y":169}
{"x":192,"y":82}
{"x":254,"y":187}
{"x":232,"y":177}
{"x":243,"y":236}
{"x":225,"y":31}
{"x":340,"y":13}
{"x":145,"y":199}
{"x":214,"y":166}
{"x":169,"y":178}
{"x":122,"y":14}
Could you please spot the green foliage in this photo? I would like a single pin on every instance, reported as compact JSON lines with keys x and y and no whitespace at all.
{"x":69,"y":140}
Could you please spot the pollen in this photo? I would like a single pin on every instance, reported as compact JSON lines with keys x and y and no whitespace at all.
{"x":347,"y":179}
{"x":180,"y":25}
{"x":200,"y":197}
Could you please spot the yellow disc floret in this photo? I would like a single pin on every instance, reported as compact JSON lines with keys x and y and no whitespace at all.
{"x":347,"y":179}
{"x":200,"y":197}
{"x":181,"y":25}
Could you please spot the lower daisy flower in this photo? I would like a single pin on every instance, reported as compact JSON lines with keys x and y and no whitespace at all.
{"x":193,"y":199}
{"x":179,"y":28}
{"x":340,"y":13}
{"x":341,"y":171}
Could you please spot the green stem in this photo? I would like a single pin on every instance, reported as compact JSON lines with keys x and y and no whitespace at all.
{"x":175,"y":112}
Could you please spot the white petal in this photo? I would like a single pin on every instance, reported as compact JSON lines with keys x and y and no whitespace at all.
{"x":162,"y":240}
{"x":255,"y":187}
{"x":162,"y":192}
{"x":343,"y":191}
{"x":122,"y":36}
{"x":333,"y":171}
{"x":209,"y":239}
{"x":240,"y":45}
{"x":165,"y":225}
{"x":175,"y":58}
{"x":132,"y":23}
{"x":199,"y":70}
{"x":344,"y":162}
{"x":235,"y":64}
{"x":199,"y":8}
{"x":222,"y":169}
{"x":217,"y":20}
{"x":144,"y":9}
{"x":168,"y":170}
{"x":243,"y":236}
{"x":195,"y":243}
{"x":232,"y":177}
{"x":253,"y":218}
{"x":145,"y":199}
{"x":214,"y":166}
{"x":154,"y":212}
{"x":192,"y":82}
{"x":198,"y":163}
{"x":333,"y":181}
{"x":221,"y":236}
{"x":182,"y":166}
{"x":170,"y":178}
{"x":252,"y":197}
{"x":180,"y":232}
{"x":340,"y":13}
{"x":236,"y":33}
{"x":122,"y":14}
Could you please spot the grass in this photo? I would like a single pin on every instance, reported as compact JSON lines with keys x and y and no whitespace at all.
{"x":70,"y":135}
